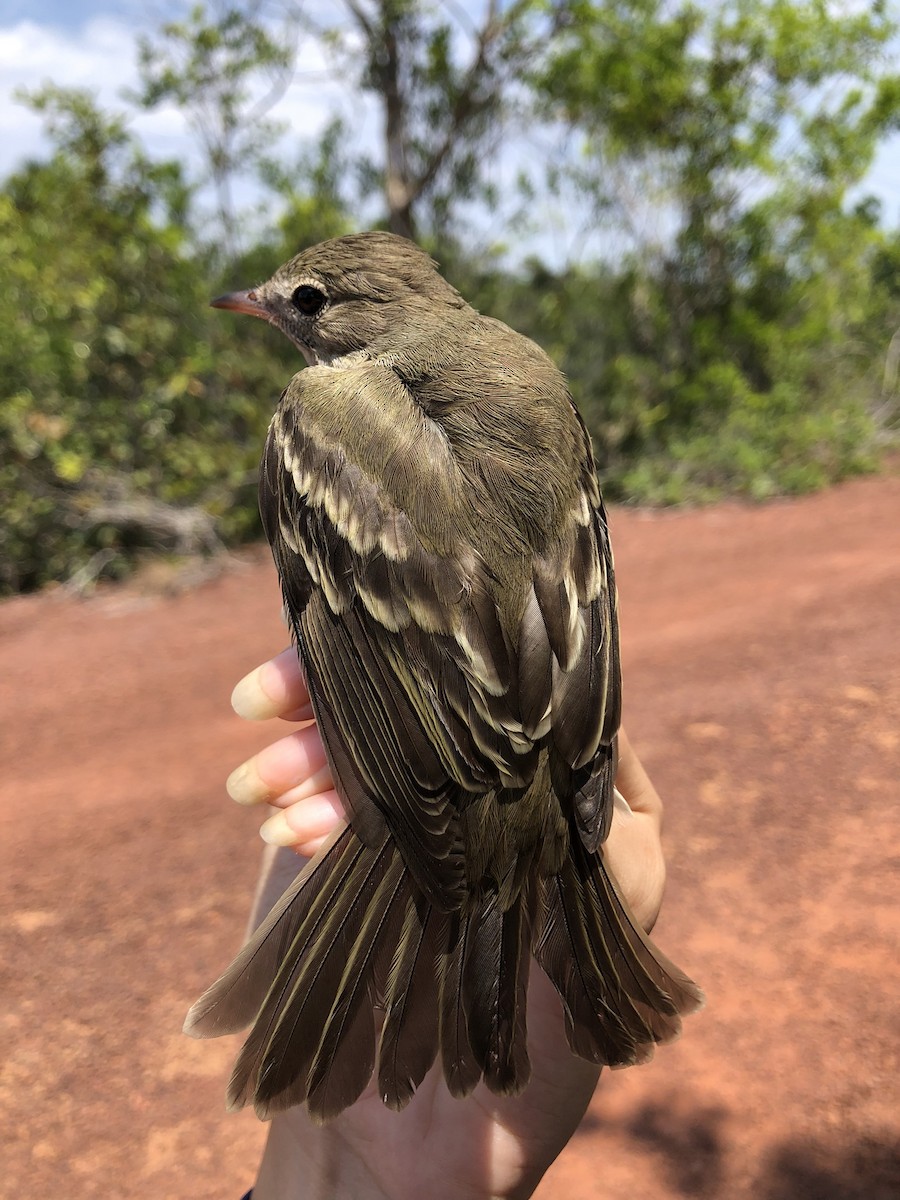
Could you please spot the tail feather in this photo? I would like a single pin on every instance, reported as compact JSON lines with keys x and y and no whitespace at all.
{"x":273,"y":1066}
{"x":495,"y":978}
{"x":594,"y":1029}
{"x":354,"y":931}
{"x":345,"y":1056}
{"x":461,"y":1069}
{"x":661,"y":990}
{"x":509,"y":1067}
{"x":620,"y":994}
{"x":235,"y":999}
{"x":409,"y":1037}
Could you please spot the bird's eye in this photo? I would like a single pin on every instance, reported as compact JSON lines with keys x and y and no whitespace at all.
{"x":309,"y":300}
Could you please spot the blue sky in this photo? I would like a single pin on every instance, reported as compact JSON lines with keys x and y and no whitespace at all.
{"x":72,"y":14}
{"x":91,"y":43}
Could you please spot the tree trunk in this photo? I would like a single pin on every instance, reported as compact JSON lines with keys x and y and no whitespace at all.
{"x":397,"y":185}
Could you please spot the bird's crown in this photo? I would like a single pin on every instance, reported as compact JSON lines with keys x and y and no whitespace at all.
{"x":380,"y":266}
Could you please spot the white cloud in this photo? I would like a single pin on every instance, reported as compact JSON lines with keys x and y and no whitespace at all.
{"x":102,"y":56}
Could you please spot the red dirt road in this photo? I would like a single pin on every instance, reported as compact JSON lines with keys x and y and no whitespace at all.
{"x":762,"y":660}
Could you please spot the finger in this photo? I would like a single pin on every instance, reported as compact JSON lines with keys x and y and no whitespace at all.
{"x":274,"y":689}
{"x":313,"y":785}
{"x":633,"y":852}
{"x":622,"y":810}
{"x":306,"y":824}
{"x":633,"y":783}
{"x":288,"y":763}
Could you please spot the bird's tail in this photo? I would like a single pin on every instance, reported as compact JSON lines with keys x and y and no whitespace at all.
{"x":620,"y":995}
{"x":353,"y":933}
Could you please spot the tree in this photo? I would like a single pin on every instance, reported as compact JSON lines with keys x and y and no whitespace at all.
{"x":754,"y":328}
{"x":444,"y":80}
{"x":225,"y":66}
{"x":108,"y":387}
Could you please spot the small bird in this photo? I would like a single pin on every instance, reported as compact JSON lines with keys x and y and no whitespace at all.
{"x":429,"y":494}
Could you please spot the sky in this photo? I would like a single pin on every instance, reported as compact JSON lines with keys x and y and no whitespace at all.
{"x":91,"y":43}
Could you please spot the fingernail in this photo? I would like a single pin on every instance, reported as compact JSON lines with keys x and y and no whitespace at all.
{"x":245,"y":786}
{"x":277,"y":832}
{"x":624,"y":808}
{"x":251,"y":701}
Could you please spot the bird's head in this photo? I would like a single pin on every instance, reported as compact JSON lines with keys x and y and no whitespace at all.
{"x":372,"y":292}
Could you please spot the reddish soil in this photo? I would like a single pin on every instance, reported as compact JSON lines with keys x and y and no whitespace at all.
{"x":762,"y":663}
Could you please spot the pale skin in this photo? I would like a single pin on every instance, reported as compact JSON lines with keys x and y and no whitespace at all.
{"x":481,"y":1148}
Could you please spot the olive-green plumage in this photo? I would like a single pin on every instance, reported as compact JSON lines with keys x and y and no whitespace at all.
{"x":429,"y":494}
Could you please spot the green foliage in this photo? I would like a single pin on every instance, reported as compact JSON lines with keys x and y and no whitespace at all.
{"x":745,"y":344}
{"x":752,"y":348}
{"x":225,"y":69}
{"x":115,"y":381}
{"x":444,"y":77}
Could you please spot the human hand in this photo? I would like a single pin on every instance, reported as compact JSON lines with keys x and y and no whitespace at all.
{"x":486,"y":1145}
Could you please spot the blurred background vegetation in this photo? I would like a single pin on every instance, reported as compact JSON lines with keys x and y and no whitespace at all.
{"x":738,"y":330}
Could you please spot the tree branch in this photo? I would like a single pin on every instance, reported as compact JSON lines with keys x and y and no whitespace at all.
{"x":468,"y":105}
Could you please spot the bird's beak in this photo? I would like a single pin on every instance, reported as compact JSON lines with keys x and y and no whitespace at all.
{"x":244,"y":302}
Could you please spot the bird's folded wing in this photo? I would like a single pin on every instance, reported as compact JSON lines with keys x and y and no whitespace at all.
{"x":421,"y":696}
{"x":569,"y":676}
{"x":409,"y":669}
